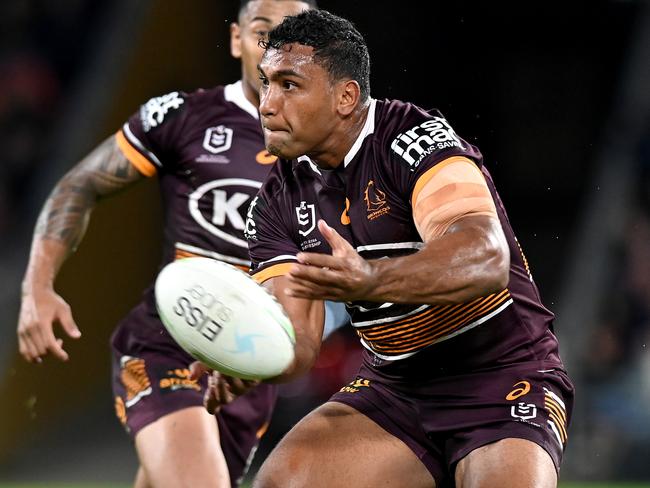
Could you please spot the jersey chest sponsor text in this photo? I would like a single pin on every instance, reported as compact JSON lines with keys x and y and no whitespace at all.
{"x":219,"y":206}
{"x":424,"y":139}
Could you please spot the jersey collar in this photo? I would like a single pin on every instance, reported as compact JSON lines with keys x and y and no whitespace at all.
{"x":235,"y":93}
{"x":368,"y":128}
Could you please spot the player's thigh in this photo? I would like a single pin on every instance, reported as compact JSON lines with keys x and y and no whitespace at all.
{"x":182,"y":449}
{"x":335,"y":445}
{"x":508,"y":463}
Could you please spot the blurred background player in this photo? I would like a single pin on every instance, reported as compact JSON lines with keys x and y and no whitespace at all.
{"x":208,"y":151}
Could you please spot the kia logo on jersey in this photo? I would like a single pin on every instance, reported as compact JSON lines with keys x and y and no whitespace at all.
{"x":220,"y":203}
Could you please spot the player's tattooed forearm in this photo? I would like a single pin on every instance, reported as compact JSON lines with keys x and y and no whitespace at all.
{"x":103,"y":172}
{"x":64,"y":216}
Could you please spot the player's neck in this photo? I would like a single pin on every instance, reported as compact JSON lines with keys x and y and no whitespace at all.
{"x":341,"y":140}
{"x":251,"y":94}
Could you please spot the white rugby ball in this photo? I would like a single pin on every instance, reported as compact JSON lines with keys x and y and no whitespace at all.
{"x":219,"y":315}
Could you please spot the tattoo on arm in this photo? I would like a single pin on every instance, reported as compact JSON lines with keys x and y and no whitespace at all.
{"x":66,"y":212}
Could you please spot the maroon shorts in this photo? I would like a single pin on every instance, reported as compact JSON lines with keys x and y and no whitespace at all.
{"x":151,"y":379}
{"x":444,"y":418}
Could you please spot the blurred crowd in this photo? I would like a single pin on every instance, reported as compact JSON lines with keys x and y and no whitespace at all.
{"x":40,"y":46}
{"x":617,"y":367}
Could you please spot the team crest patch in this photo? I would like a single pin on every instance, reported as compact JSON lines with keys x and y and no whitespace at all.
{"x":217,"y":139}
{"x":135,"y":380}
{"x":153,"y":113}
{"x":375,"y":201}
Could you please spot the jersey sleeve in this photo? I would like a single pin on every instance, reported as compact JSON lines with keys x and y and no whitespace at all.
{"x":148,"y":138}
{"x":271,"y":246}
{"x":420,"y":144}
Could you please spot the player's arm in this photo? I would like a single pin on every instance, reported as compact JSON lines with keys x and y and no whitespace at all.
{"x":59,"y":229}
{"x":465,"y":255}
{"x":307,"y":318}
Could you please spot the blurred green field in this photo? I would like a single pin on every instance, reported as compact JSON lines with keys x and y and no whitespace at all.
{"x":112,"y":485}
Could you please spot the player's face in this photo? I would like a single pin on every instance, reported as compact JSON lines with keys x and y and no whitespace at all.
{"x":259,"y":17}
{"x":298,"y":105}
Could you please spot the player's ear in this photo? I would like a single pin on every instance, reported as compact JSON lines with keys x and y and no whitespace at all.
{"x":349,"y":94}
{"x":235,"y":40}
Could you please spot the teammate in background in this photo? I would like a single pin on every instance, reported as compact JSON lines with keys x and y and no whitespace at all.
{"x":207,"y":149}
{"x":380,"y":204}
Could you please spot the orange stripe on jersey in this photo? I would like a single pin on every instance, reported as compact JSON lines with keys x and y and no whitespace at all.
{"x":523,"y":257}
{"x":421,"y":330}
{"x":424,"y":179}
{"x":262,"y":430}
{"x":271,"y":272}
{"x":444,"y":196}
{"x":441,"y":313}
{"x":180,"y":254}
{"x":142,"y":164}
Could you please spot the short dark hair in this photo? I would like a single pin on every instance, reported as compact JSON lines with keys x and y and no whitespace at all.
{"x":244,"y":3}
{"x":338,"y":45}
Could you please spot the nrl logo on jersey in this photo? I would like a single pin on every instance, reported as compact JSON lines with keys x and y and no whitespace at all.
{"x":217,"y":139}
{"x":424,"y":139}
{"x":154,"y":111}
{"x":306,"y":218}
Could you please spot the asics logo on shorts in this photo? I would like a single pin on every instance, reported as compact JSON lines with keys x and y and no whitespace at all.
{"x":520,"y":389}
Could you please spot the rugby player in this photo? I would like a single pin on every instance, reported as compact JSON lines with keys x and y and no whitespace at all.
{"x":207,"y":150}
{"x":382,"y":205}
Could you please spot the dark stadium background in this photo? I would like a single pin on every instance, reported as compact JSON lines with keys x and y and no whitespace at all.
{"x":554,"y":93}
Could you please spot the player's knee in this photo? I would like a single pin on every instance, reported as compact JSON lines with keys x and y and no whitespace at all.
{"x":269,"y":478}
{"x":282,"y":471}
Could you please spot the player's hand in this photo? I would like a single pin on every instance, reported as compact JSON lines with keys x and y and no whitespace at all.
{"x":40,"y":309}
{"x":222,"y":389}
{"x":342,"y":276}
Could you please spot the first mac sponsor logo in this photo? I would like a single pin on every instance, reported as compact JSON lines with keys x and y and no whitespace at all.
{"x":420,"y":141}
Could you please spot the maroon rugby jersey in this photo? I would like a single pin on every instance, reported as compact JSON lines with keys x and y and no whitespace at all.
{"x":207,"y":149}
{"x":367,"y":199}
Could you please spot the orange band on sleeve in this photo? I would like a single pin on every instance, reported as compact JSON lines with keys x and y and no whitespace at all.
{"x":432,"y":172}
{"x":142,"y":164}
{"x":456,"y":190}
{"x":272,"y":271}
